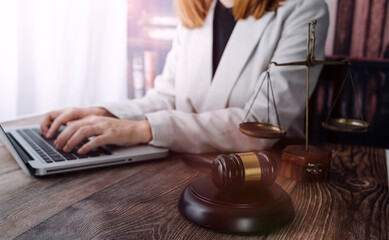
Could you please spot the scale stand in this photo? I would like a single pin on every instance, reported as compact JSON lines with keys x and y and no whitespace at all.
{"x":307,"y":163}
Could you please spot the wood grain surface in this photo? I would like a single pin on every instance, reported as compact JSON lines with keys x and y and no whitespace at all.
{"x":139,"y":201}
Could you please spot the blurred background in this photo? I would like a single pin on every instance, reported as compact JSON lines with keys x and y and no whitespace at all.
{"x":62,"y":53}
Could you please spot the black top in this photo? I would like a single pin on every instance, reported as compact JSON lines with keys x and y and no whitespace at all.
{"x":223,"y":24}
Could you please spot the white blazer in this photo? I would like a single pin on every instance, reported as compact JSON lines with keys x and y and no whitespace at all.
{"x":190,"y":112}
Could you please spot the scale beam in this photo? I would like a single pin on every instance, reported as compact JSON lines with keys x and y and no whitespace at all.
{"x":310,"y":62}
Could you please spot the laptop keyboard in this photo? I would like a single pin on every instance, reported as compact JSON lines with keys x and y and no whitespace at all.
{"x":45,"y":147}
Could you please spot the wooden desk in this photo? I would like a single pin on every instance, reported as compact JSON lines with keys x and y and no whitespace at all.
{"x":139,"y":201}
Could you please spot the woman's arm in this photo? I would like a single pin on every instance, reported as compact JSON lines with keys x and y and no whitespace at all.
{"x":101,"y":122}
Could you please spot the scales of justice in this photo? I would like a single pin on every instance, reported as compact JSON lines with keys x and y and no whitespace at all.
{"x":240,"y":194}
{"x":314,"y":157}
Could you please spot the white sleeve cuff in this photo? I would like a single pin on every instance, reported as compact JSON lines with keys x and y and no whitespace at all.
{"x":161,"y":128}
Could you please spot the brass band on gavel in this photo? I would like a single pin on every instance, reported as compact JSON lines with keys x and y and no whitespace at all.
{"x":244,"y":171}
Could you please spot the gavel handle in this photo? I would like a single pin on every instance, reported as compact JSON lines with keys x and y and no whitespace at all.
{"x":197,"y":161}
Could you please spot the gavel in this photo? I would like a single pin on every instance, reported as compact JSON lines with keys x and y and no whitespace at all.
{"x":239,"y":195}
{"x":241,"y":171}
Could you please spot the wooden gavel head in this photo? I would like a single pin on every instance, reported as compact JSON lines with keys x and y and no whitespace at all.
{"x":244,"y":171}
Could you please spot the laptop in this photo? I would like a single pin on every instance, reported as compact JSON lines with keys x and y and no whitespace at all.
{"x":37,"y":156}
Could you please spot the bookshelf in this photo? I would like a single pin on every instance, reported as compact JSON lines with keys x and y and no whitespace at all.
{"x":151,"y":27}
{"x":358,"y":31}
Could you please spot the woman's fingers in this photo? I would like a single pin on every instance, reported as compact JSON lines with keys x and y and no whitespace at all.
{"x":81,"y":134}
{"x":53,"y":120}
{"x":69,"y":131}
{"x":94,"y":143}
{"x":47,"y":121}
{"x":62,"y":118}
{"x":105,"y":130}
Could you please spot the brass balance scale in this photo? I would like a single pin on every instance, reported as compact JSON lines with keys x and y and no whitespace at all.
{"x":268,"y":130}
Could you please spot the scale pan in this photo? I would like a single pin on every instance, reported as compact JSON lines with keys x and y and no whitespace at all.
{"x":345,"y":125}
{"x":261,"y":130}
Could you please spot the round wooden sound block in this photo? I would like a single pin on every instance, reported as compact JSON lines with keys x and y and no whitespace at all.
{"x":259,"y":210}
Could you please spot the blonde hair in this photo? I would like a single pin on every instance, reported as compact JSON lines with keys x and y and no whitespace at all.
{"x":193,"y":12}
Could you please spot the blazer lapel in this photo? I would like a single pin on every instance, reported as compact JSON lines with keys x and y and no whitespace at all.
{"x":199,"y":63}
{"x":241,"y":44}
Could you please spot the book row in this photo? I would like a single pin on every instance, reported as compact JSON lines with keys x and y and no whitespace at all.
{"x":358,"y":28}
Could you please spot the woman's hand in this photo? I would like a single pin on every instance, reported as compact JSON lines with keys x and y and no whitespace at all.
{"x":53,"y":120}
{"x":105,"y":130}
